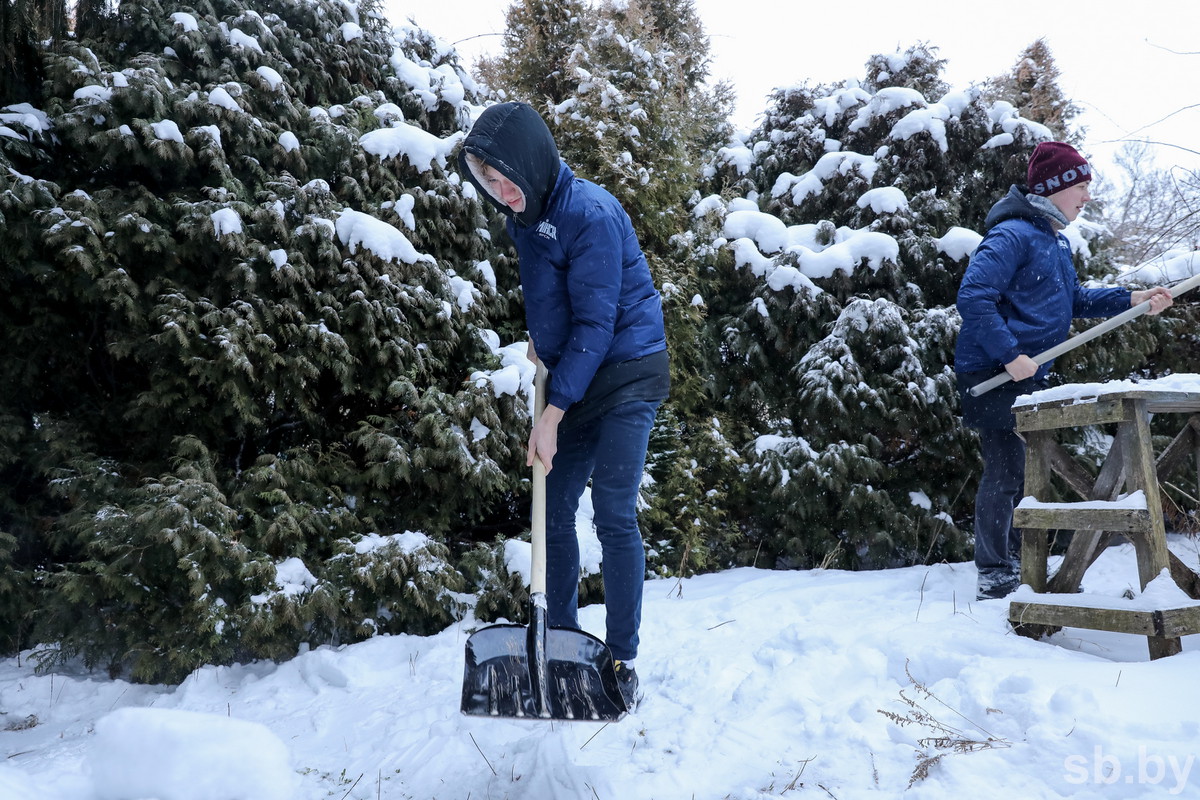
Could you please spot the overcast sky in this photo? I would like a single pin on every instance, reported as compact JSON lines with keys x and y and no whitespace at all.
{"x":1133,"y":67}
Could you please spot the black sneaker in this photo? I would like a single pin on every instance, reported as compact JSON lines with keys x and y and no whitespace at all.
{"x":996,"y":584}
{"x":627,"y":680}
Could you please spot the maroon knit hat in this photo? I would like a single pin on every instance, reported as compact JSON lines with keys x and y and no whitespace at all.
{"x":1054,"y":166}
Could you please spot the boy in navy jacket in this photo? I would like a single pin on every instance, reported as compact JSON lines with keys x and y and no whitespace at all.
{"x":1017,"y":299}
{"x":595,"y":321}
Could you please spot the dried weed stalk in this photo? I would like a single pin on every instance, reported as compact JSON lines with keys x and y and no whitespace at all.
{"x":946,"y":739}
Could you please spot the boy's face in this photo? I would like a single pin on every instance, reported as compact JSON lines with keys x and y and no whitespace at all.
{"x":503,"y":189}
{"x":1070,"y":201}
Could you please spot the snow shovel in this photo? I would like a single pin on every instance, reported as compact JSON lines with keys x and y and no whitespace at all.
{"x":539,"y":672}
{"x":1086,"y":336}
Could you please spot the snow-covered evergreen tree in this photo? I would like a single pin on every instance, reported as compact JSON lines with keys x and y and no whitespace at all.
{"x":836,"y":273}
{"x":1032,"y":86}
{"x":248,"y":296}
{"x":836,"y":280}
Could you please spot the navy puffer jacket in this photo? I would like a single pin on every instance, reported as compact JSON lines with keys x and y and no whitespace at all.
{"x":589,"y":298}
{"x":1020,"y":291}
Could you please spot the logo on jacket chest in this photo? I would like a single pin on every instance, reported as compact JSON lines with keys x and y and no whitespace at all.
{"x":546,"y":230}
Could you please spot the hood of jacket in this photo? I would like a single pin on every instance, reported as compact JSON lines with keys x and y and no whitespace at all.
{"x":1013,"y":205}
{"x":514,"y":140}
{"x":1020,"y":204}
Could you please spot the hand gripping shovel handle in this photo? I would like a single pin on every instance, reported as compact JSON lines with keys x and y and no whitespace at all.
{"x":1086,"y":336}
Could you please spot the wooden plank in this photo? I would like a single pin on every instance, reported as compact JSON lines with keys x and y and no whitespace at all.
{"x":1112,"y":474}
{"x":1158,"y":401}
{"x":1182,"y":446}
{"x":1061,"y":516}
{"x":1078,"y":557}
{"x":1140,"y":474}
{"x":1035,"y":544}
{"x":1161,"y":647}
{"x":1035,"y":558}
{"x":1137,"y":622}
{"x":1171,"y":402}
{"x":1179,"y":621}
{"x":1066,"y":467}
{"x":1184,"y":576}
{"x":1085,"y":545}
{"x":1185,"y":444}
{"x":1038,"y":418}
{"x":1198,"y":464}
{"x":1196,"y":439}
{"x":1163,"y":623}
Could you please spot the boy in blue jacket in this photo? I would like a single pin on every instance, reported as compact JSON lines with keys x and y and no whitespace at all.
{"x":595,"y":321}
{"x":1017,"y":299}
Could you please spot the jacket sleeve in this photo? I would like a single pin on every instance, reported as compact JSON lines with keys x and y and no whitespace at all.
{"x":1100,"y":302}
{"x":989,"y":274}
{"x":594,"y":286}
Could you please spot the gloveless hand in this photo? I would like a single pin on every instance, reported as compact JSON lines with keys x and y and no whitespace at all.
{"x":543,"y":439}
{"x":1160,"y":299}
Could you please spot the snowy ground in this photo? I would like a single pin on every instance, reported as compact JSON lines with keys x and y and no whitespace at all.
{"x":757,"y":684}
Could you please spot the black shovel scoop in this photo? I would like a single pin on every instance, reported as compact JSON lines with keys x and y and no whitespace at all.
{"x":539,"y":672}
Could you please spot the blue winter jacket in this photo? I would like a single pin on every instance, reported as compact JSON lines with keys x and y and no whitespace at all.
{"x":1020,"y":291}
{"x":589,"y":298}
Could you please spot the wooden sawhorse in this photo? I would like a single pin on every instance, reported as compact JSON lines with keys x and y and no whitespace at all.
{"x":1135,"y":512}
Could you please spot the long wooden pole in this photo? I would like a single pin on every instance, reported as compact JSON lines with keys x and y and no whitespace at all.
{"x":537,"y":530}
{"x":1087,"y":336}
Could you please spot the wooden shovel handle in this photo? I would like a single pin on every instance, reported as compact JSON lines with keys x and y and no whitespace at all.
{"x":537,"y":530}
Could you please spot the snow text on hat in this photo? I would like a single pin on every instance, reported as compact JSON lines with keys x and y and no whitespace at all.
{"x":1055,"y":166}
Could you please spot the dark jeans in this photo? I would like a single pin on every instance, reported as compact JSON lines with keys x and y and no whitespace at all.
{"x":1000,"y":489}
{"x":611,"y":451}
